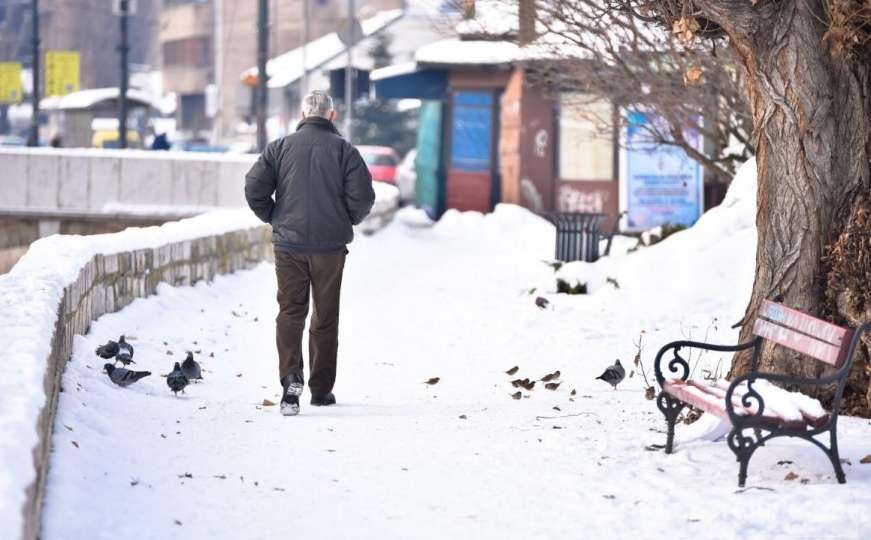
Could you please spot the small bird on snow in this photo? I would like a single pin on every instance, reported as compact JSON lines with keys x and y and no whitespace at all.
{"x":108,"y":350}
{"x":542,"y":302}
{"x":125,"y":352}
{"x":551,"y":376}
{"x":124,"y":377}
{"x":614,"y":375}
{"x":177,"y":380}
{"x":191,"y":368}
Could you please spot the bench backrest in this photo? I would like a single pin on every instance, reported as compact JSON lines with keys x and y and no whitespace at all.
{"x":800,"y":332}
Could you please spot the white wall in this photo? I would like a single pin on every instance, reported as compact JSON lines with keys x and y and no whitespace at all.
{"x":100,"y":180}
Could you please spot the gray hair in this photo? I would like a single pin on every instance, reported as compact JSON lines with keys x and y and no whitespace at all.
{"x":317,"y":103}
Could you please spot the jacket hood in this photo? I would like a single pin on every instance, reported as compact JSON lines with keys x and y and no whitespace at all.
{"x":319,"y":122}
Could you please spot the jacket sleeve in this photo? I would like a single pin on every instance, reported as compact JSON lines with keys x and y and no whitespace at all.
{"x":260,"y":185}
{"x":359,"y":195}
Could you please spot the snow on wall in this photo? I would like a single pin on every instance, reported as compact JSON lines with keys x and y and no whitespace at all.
{"x":56,"y":290}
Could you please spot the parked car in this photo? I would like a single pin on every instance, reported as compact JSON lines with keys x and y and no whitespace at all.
{"x":382,"y":162}
{"x":406,"y":178}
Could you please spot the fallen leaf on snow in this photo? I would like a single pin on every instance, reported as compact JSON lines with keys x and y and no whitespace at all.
{"x":512,"y":371}
{"x":552,"y":385}
{"x":463,"y":417}
{"x":573,"y":392}
{"x":432,"y":380}
{"x":516,"y":395}
{"x":267,"y":403}
{"x":790,"y":476}
{"x":75,"y":444}
{"x":866,"y":460}
{"x":68,"y":427}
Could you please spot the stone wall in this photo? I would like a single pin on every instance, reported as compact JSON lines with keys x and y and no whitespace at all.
{"x":106,"y":284}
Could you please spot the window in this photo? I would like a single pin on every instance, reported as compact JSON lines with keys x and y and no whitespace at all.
{"x":191,"y":52}
{"x":584,"y":153}
{"x":472,"y":130}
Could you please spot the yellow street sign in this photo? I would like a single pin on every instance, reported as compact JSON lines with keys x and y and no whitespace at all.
{"x":61,"y":73}
{"x":10,"y":82}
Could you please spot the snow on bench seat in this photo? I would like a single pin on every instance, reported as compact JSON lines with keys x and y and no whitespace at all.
{"x":785,"y":410}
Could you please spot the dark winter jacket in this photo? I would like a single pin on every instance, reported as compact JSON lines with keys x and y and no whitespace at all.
{"x":321,"y":186}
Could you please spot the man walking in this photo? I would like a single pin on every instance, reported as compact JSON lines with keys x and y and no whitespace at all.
{"x":322,"y":187}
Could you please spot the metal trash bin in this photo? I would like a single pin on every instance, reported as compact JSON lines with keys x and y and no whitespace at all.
{"x":577,"y":235}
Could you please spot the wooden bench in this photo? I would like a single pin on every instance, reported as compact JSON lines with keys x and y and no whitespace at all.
{"x":786,"y":414}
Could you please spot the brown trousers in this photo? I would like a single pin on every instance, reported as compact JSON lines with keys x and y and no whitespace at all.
{"x":298,"y":274}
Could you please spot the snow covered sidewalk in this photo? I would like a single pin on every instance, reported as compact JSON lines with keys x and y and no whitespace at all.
{"x":460,"y":459}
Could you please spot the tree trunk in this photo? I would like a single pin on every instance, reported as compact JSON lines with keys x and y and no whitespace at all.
{"x":811,"y":114}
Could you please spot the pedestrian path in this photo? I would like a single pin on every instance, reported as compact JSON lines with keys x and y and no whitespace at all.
{"x":397,"y":458}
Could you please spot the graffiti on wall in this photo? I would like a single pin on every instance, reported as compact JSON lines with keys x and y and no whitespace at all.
{"x":570,"y":199}
{"x":530,"y":196}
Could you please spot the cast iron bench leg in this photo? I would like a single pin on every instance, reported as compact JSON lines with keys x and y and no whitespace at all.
{"x":671,"y":408}
{"x":835,"y":457}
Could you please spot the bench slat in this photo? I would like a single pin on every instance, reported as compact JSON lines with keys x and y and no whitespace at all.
{"x":712,"y":399}
{"x":696,"y":397}
{"x":803,"y":323}
{"x":802,"y":343}
{"x":811,"y":415}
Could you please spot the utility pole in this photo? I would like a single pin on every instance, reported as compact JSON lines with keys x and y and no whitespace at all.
{"x":349,"y":74}
{"x":33,"y":140}
{"x":262,"y":54}
{"x":218,"y":63}
{"x":124,"y":49}
{"x":303,"y":87}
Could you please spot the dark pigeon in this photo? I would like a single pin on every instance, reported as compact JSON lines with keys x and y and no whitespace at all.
{"x":124,"y":377}
{"x":107,"y":351}
{"x":176,"y":380}
{"x":542,"y":302}
{"x":125,"y":352}
{"x":191,"y":368}
{"x":614,"y":375}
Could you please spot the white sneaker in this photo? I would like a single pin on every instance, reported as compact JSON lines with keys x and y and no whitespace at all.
{"x":290,"y":401}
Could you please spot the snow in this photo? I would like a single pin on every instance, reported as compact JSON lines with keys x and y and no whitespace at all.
{"x":84,"y":99}
{"x":453,"y":51}
{"x":29,"y":297}
{"x":400,"y":459}
{"x":288,"y":67}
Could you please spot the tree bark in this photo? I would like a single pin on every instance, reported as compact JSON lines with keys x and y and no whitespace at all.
{"x":811,"y":116}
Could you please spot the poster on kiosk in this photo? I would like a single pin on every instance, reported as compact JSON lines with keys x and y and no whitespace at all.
{"x":659,"y":184}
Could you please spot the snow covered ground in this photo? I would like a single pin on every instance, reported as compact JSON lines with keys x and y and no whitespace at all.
{"x":459,"y":459}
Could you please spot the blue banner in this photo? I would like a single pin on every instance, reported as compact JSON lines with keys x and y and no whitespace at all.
{"x":662,"y":184}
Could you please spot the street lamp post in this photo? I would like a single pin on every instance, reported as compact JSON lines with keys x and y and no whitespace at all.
{"x":262,"y":54}
{"x":33,"y":139}
{"x":349,"y":74}
{"x":124,"y":8}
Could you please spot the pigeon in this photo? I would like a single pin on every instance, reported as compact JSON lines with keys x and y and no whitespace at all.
{"x":176,"y":380}
{"x":124,"y":377}
{"x":542,"y":302}
{"x":614,"y":374}
{"x":125,"y":352}
{"x":191,"y":368}
{"x":107,"y":351}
